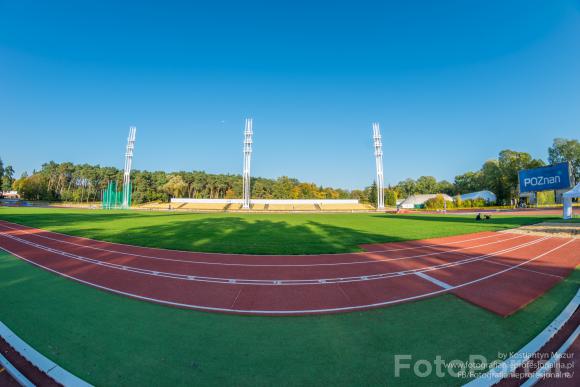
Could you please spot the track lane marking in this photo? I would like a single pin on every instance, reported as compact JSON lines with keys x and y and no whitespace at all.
{"x":23,"y":227}
{"x":287,"y":312}
{"x":553,"y":361}
{"x":281,"y":265}
{"x":435,"y":281}
{"x":528,"y":270}
{"x":375,"y":276}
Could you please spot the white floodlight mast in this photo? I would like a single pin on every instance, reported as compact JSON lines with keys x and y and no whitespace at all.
{"x":247,"y":158}
{"x":128,"y":163}
{"x":379,"y":166}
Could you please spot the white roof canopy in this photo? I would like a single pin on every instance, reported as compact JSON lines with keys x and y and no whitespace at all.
{"x":574,"y":192}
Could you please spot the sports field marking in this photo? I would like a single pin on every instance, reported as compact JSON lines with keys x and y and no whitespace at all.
{"x":494,"y":376}
{"x":319,"y":281}
{"x":38,"y":360}
{"x":293,"y":312}
{"x":528,"y":270}
{"x":267,"y":282}
{"x":12,"y":371}
{"x":230,"y":254}
{"x":441,"y":284}
{"x":287,"y":265}
{"x":542,"y":372}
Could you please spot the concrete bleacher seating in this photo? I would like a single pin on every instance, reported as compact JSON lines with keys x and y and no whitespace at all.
{"x":346,"y":207}
{"x":154,"y":205}
{"x":280,"y":207}
{"x":304,"y":207}
{"x":204,"y":206}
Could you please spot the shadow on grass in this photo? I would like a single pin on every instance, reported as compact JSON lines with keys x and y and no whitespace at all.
{"x":261,"y":234}
{"x":508,"y":221}
{"x":258,"y":236}
{"x":227,"y":234}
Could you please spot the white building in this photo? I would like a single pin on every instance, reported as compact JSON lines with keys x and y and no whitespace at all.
{"x":9,"y":194}
{"x":418,"y":201}
{"x":488,"y":196}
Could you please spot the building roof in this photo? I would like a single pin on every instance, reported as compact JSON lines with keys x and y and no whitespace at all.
{"x":421,"y":199}
{"x":486,"y":195}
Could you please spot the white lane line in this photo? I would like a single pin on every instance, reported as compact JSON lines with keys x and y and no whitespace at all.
{"x":288,"y":312}
{"x":259,"y":255}
{"x":553,"y":360}
{"x":12,"y":371}
{"x":441,"y":284}
{"x":262,"y":282}
{"x":494,"y":376}
{"x":279,"y":265}
{"x":40,"y":361}
{"x":528,"y":270}
{"x":236,"y":299}
{"x":226,"y":254}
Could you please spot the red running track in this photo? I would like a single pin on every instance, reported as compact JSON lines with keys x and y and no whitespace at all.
{"x":499,"y":271}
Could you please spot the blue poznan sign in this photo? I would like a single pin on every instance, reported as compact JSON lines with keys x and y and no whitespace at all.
{"x":552,"y":177}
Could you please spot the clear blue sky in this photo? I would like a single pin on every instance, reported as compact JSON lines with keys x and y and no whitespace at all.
{"x":451,"y":83}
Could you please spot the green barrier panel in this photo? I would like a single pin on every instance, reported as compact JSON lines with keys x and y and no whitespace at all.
{"x":113,"y":199}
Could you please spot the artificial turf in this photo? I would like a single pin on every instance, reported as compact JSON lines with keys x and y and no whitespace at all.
{"x":254,"y":233}
{"x":112,"y":340}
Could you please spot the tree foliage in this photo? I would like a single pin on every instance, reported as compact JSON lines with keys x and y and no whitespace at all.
{"x":84,"y":183}
{"x":6,"y":177}
{"x":436,"y":203}
{"x":566,"y":150}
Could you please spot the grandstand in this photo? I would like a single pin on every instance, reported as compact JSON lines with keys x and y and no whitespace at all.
{"x":260,"y":205}
{"x":305,"y":207}
{"x":202,"y":206}
{"x":347,"y":207}
{"x":153,"y":206}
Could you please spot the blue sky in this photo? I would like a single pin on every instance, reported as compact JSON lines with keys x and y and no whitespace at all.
{"x":451,"y":83}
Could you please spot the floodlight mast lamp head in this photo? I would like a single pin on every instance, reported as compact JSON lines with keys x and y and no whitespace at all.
{"x":379,"y":166}
{"x":248,"y":132}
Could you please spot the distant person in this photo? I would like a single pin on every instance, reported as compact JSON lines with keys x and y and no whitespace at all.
{"x":478,"y":217}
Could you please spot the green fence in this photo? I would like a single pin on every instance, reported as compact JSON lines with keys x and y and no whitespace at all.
{"x":113,"y":199}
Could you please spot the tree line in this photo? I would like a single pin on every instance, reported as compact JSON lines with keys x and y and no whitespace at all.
{"x":6,"y":177}
{"x":84,"y":182}
{"x":499,"y":175}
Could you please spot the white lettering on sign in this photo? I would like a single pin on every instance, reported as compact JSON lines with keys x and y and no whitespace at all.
{"x":541,"y":180}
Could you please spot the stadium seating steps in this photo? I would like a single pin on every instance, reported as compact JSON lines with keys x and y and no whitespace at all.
{"x":256,"y":207}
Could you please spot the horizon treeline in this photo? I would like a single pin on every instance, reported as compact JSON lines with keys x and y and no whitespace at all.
{"x":84,"y":182}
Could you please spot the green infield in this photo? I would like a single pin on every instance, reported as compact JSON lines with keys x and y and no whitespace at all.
{"x":255,"y":233}
{"x":112,"y":340}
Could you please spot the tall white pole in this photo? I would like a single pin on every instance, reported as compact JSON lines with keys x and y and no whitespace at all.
{"x":247,"y":158}
{"x":128,"y":163}
{"x":379,"y":166}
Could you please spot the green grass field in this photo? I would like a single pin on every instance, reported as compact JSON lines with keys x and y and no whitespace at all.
{"x":112,"y":340}
{"x":254,"y":233}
